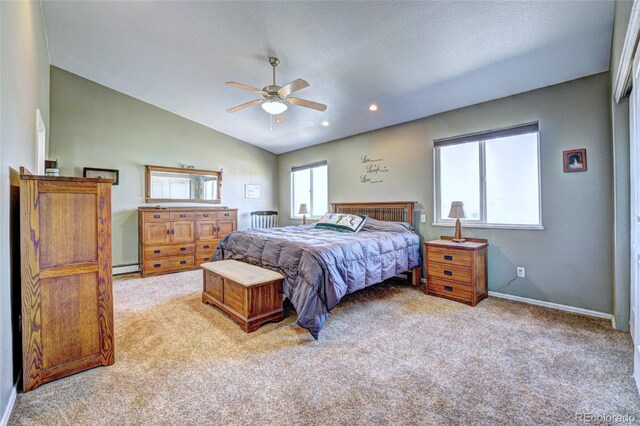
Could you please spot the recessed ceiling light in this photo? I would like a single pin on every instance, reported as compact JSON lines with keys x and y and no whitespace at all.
{"x":325,"y":123}
{"x":373,"y":107}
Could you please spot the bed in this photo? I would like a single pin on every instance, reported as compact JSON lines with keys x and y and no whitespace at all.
{"x":321,"y":266}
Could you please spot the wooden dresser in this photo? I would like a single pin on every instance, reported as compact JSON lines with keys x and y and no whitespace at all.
{"x":176,"y":239}
{"x":457,"y":271}
{"x":67,"y":302}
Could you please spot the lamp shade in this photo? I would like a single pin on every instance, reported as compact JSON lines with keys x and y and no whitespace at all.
{"x":303,"y":209}
{"x":457,"y":210}
{"x":274,"y":107}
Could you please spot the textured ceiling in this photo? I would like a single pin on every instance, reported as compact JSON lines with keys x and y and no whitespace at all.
{"x":412,"y":58}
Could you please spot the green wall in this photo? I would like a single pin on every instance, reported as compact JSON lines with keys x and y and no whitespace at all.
{"x":24,"y":87}
{"x":570,"y":261}
{"x":94,"y":126}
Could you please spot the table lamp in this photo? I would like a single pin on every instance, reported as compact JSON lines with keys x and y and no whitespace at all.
{"x":457,"y":213}
{"x":303,"y":211}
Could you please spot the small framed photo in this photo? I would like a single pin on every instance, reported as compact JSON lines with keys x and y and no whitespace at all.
{"x":251,"y":191}
{"x":92,"y":172}
{"x":575,"y":160}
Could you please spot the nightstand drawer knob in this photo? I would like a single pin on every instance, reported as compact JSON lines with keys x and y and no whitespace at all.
{"x":448,"y":257}
{"x":448,"y":288}
{"x":448,"y":272}
{"x":157,"y":265}
{"x":183,"y":262}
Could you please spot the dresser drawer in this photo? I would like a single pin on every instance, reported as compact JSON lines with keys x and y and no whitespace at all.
{"x":207,"y":247}
{"x":206,"y":215}
{"x":449,"y":289}
{"x":227,"y":215}
{"x":449,"y":272}
{"x":156,"y":216}
{"x":449,"y":256}
{"x":154,"y":252}
{"x":204,"y":258}
{"x":182,"y":216}
{"x":169,"y":263}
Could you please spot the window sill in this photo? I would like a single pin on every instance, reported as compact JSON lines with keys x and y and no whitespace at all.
{"x":491,"y":226}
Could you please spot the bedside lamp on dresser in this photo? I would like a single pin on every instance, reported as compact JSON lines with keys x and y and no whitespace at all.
{"x":457,"y":213}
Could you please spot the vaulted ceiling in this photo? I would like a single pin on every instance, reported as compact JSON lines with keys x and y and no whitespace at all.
{"x":413,"y":59}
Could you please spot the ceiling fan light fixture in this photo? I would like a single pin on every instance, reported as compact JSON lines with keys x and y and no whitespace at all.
{"x":274,"y":107}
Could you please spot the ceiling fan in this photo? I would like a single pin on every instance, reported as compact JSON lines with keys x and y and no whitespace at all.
{"x":275,"y":99}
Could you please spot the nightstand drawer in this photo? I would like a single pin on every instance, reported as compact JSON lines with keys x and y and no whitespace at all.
{"x":449,"y":272}
{"x":449,"y":289}
{"x":450,"y":256}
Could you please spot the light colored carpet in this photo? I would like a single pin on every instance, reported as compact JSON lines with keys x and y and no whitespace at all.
{"x":388,"y":354}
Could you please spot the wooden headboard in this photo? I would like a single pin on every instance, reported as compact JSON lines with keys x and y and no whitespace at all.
{"x":391,"y":211}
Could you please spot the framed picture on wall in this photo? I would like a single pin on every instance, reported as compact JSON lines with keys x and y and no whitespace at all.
{"x":92,"y":172}
{"x":575,"y":160}
{"x":251,"y":191}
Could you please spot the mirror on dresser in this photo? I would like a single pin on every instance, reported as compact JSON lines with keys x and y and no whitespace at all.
{"x":173,"y":184}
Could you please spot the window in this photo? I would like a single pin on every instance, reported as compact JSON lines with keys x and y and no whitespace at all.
{"x":495,"y":174}
{"x":309,"y":185}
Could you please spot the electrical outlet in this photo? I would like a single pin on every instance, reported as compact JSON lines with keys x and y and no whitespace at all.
{"x":520,"y":271}
{"x":423,"y":218}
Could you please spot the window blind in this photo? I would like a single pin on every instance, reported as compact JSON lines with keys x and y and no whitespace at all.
{"x":309,"y":166}
{"x":491,"y":134}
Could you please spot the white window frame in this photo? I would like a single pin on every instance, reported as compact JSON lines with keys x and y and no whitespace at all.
{"x":315,"y":164}
{"x":481,"y":139}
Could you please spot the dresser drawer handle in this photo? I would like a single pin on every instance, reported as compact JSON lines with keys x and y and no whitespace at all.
{"x":205,"y":215}
{"x":168,"y":231}
{"x":448,"y":257}
{"x":206,"y":259}
{"x":156,"y":252}
{"x":206,"y":246}
{"x":183,"y":262}
{"x":157,"y":265}
{"x":156,"y":216}
{"x":448,"y":288}
{"x":448,"y":272}
{"x":183,"y":249}
{"x":183,"y":215}
{"x":226,"y":214}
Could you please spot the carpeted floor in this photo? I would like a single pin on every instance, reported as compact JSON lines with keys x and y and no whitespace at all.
{"x":387,"y":355}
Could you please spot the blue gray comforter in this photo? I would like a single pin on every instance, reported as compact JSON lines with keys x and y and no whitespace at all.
{"x":321,"y":266}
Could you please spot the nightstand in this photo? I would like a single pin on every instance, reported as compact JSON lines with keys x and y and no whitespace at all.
{"x":457,"y":271}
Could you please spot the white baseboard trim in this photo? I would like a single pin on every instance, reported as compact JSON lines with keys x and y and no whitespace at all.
{"x":125,"y":269}
{"x":552,"y":305}
{"x":9,"y":408}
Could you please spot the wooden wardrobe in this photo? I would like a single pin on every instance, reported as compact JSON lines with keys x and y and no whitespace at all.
{"x":67,"y":302}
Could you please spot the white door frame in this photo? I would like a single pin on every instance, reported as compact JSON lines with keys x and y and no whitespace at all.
{"x":634,"y":171}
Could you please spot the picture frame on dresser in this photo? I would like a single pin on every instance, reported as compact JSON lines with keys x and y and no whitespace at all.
{"x":94,"y":172}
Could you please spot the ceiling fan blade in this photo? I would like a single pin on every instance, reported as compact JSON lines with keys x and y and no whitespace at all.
{"x":244,"y":86}
{"x":244,"y":105}
{"x":294,"y":86}
{"x":280,"y":118}
{"x":307,"y":104}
